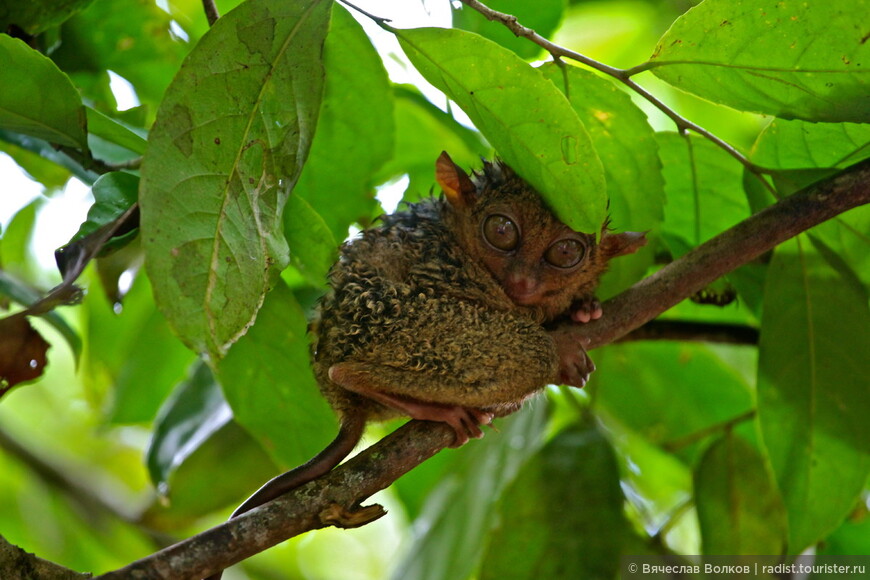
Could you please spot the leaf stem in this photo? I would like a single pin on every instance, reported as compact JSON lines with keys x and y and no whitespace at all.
{"x":211,"y":12}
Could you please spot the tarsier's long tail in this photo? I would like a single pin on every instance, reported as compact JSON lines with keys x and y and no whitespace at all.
{"x":349,"y":434}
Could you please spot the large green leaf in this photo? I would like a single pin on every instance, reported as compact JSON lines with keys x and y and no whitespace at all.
{"x":543,"y":16}
{"x":563,"y":516}
{"x":739,"y":508}
{"x":523,"y":115}
{"x":668,"y":391}
{"x":28,"y":106}
{"x":704,"y":187}
{"x":355,"y":130}
{"x":459,"y":514}
{"x":812,"y":390}
{"x":195,"y":412}
{"x":624,"y":141}
{"x":268,"y":382}
{"x":229,"y":143}
{"x":795,"y":60}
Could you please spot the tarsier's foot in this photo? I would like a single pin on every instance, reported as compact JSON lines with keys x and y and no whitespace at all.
{"x":586,"y":310}
{"x":575,"y":365}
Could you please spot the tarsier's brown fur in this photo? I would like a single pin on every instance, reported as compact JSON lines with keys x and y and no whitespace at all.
{"x":427,"y":317}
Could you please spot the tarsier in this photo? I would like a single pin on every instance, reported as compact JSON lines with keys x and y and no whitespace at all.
{"x":447,"y":311}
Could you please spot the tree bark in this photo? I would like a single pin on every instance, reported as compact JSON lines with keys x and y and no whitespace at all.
{"x":335,"y":498}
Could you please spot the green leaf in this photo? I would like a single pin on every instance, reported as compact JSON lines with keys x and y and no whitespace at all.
{"x":563,"y":514}
{"x":625,"y":144}
{"x":38,"y":167}
{"x":192,"y":490}
{"x":812,"y":390}
{"x":652,"y":388}
{"x":459,"y":514}
{"x":313,"y":248}
{"x":45,"y":150}
{"x":795,"y":60}
{"x":522,"y":114}
{"x":135,"y":41}
{"x":56,"y":115}
{"x":229,"y":143}
{"x":739,"y":508}
{"x":195,"y":411}
{"x":35,"y":16}
{"x":114,"y":131}
{"x":704,"y":189}
{"x":542,"y":16}
{"x":131,"y":347}
{"x":355,"y":130}
{"x":114,"y":193}
{"x":802,"y":145}
{"x":267,"y":379}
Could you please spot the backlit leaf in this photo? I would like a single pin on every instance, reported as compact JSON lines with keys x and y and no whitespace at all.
{"x":795,"y":60}
{"x":523,"y":115}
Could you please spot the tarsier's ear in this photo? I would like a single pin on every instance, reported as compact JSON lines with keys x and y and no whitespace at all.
{"x":457,"y":186}
{"x":613,"y":245}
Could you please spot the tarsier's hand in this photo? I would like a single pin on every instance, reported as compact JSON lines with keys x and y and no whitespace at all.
{"x":574,"y":364}
{"x":586,"y":309}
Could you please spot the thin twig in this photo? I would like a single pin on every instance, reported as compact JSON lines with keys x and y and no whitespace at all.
{"x":211,"y":11}
{"x":701,"y":434}
{"x":622,"y":75}
{"x":695,"y":331}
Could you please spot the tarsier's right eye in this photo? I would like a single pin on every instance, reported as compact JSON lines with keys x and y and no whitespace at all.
{"x":501,"y":232}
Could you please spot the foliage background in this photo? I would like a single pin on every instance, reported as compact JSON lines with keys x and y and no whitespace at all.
{"x":128,"y":442}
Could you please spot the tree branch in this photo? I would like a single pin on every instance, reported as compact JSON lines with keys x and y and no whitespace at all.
{"x":695,"y":331}
{"x":325,"y":501}
{"x":16,"y":564}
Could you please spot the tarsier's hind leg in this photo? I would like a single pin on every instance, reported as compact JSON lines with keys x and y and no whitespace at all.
{"x":366,"y":380}
{"x":473,"y":365}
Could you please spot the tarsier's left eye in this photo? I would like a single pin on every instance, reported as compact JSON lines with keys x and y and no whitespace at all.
{"x":501,"y":232}
{"x":565,"y":253}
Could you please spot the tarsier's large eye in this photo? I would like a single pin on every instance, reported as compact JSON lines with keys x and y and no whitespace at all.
{"x":501,"y":232}
{"x":565,"y":253}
